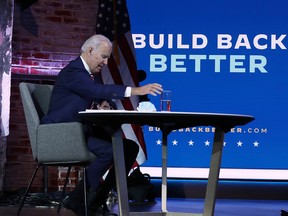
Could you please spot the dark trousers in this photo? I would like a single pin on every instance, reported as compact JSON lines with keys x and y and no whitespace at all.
{"x":100,"y":144}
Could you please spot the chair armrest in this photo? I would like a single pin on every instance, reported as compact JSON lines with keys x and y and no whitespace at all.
{"x":62,"y":143}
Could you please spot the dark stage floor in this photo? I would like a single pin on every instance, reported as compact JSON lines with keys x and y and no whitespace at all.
{"x":224,"y":207}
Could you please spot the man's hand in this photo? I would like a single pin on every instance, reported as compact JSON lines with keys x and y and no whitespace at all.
{"x":152,"y":89}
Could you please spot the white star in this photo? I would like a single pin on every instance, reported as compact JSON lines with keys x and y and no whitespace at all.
{"x":175,"y":142}
{"x":239,"y":144}
{"x":158,"y":142}
{"x":224,"y":143}
{"x":207,"y":143}
{"x":191,"y":143}
{"x":256,"y":144}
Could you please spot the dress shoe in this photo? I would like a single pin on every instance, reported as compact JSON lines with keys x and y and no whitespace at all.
{"x":104,"y":211}
{"x":284,"y":213}
{"x":77,"y":208}
{"x":97,"y":197}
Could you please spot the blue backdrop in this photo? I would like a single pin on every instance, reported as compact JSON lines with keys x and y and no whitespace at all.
{"x":217,"y":56}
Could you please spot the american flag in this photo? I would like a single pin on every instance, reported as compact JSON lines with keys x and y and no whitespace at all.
{"x":113,"y":22}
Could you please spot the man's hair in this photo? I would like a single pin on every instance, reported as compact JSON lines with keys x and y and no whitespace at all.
{"x":95,"y":41}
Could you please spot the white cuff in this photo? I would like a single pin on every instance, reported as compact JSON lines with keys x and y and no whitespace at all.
{"x":128,"y":92}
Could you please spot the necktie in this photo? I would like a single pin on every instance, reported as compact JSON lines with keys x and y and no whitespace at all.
{"x":92,"y":76}
{"x":93,"y":103}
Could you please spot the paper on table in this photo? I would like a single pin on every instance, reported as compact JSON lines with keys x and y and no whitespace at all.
{"x":146,"y":106}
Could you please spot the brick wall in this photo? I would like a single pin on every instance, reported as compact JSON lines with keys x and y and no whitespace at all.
{"x":46,"y":36}
{"x":49,"y":34}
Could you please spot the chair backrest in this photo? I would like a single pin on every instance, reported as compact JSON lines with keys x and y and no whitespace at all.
{"x":35,"y":99}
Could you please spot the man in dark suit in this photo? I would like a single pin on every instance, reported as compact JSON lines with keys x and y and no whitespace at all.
{"x":75,"y":91}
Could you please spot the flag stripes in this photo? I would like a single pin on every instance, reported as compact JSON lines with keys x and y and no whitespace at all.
{"x":113,"y":22}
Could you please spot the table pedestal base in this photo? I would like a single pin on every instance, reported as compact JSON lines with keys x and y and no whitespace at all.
{"x":211,"y":186}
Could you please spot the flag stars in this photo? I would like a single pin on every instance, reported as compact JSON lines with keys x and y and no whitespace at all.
{"x":207,"y":143}
{"x":158,"y":142}
{"x":174,"y":142}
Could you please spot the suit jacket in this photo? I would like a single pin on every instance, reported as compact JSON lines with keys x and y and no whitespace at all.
{"x":74,"y":91}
